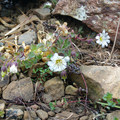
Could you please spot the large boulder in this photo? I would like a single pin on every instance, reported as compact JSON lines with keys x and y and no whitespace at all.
{"x":101,"y":14}
{"x":100,"y":80}
{"x":22,"y":88}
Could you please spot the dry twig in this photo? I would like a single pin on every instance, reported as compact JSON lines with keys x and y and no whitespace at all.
{"x":115,"y":39}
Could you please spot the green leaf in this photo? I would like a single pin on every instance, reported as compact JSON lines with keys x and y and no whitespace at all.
{"x":72,"y":35}
{"x":54,"y":2}
{"x":53,"y":49}
{"x":116,"y":118}
{"x":118,"y":100}
{"x":66,"y":44}
{"x":51,"y":106}
{"x":33,"y":47}
{"x":48,"y":43}
{"x":34,"y":71}
{"x":2,"y":113}
{"x":65,"y":100}
{"x":60,"y":42}
{"x":111,"y":103}
{"x":38,"y":57}
{"x":40,"y":45}
{"x":49,"y":56}
{"x":107,"y":97}
{"x":31,"y":55}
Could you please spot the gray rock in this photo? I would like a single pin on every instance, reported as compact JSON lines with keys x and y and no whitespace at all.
{"x":14,"y":113}
{"x":42,"y":13}
{"x":44,"y":106}
{"x":112,"y":115}
{"x":22,"y":88}
{"x":27,"y":115}
{"x":46,"y":98}
{"x":21,"y":76}
{"x":22,"y":18}
{"x":55,"y":88}
{"x":0,"y":92}
{"x":30,"y":115}
{"x":84,"y":118}
{"x":65,"y":115}
{"x":57,"y":109}
{"x":5,"y":81}
{"x":27,"y":37}
{"x":51,"y":113}
{"x":14,"y":77}
{"x":100,"y":80}
{"x":2,"y":106}
{"x":33,"y":114}
{"x":70,"y":90}
{"x":17,"y":107}
{"x":42,"y":114}
{"x":2,"y":101}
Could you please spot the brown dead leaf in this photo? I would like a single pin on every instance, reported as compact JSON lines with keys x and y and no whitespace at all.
{"x":62,"y":29}
{"x":26,"y":49}
{"x":6,"y":24}
{"x":7,"y":19}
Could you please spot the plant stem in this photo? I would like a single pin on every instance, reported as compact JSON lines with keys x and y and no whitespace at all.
{"x":115,"y":39}
{"x":116,"y":106}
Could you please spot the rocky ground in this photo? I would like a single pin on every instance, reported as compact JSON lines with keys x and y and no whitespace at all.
{"x":24,"y":97}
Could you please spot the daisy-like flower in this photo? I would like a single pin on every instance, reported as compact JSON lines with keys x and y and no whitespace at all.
{"x":58,"y":63}
{"x":103,"y":39}
{"x":13,"y":68}
{"x":48,"y":4}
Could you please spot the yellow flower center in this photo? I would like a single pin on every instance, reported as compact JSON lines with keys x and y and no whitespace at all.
{"x":101,"y":39}
{"x":59,"y":61}
{"x":38,"y":51}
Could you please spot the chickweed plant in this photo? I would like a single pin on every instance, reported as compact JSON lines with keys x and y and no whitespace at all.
{"x":57,"y":52}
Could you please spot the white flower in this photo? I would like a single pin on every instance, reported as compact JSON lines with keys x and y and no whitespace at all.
{"x":58,"y":63}
{"x":13,"y":69}
{"x":48,"y":38}
{"x":48,"y":4}
{"x":103,"y":39}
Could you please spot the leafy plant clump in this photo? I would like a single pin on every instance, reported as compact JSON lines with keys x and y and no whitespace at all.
{"x":110,"y":102}
{"x":42,"y":73}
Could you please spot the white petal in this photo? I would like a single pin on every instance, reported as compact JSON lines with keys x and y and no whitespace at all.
{"x":98,"y":41}
{"x":108,"y":41}
{"x":103,"y":45}
{"x":50,"y":63}
{"x":103,"y":31}
{"x":13,"y":69}
{"x":54,"y":56}
{"x":67,"y":59}
{"x":97,"y":37}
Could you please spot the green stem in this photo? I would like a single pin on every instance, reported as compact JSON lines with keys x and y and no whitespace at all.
{"x":107,"y":104}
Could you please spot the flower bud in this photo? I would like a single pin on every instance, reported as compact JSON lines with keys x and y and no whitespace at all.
{"x":4,"y":69}
{"x":73,"y":53}
{"x":64,"y":75}
{"x":15,"y":63}
{"x":3,"y":74}
{"x":9,"y":64}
